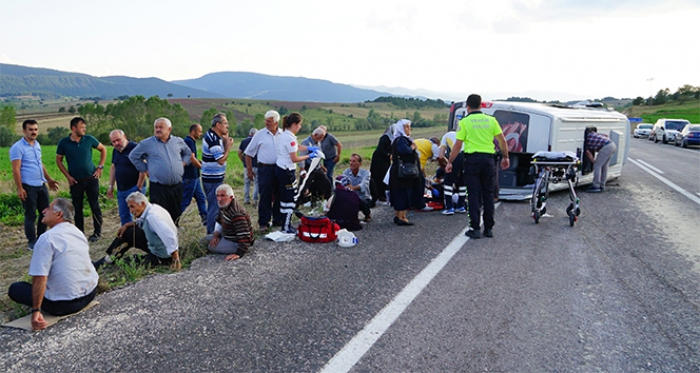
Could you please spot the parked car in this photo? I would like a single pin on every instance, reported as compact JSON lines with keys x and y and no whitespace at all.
{"x":689,"y":135}
{"x":643,"y":130}
{"x":665,"y":129}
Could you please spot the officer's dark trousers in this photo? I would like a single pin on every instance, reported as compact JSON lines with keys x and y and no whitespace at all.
{"x":478,"y":170}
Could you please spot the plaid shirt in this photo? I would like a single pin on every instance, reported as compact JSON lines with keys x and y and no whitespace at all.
{"x":596,"y":141}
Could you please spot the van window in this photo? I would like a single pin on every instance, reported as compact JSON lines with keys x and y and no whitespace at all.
{"x":675,"y":125}
{"x":515,"y":129}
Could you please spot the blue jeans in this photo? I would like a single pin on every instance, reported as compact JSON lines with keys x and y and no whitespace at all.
{"x":193,"y":188}
{"x":213,"y":210}
{"x":246,"y":186}
{"x":330,"y":166}
{"x":124,"y":214}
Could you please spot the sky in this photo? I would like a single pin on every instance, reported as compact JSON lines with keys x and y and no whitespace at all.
{"x":546,"y":50}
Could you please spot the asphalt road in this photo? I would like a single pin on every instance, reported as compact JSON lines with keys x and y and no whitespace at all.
{"x":619,"y":292}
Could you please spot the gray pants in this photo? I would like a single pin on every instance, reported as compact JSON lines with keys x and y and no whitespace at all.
{"x":600,"y":166}
{"x":224,"y":247}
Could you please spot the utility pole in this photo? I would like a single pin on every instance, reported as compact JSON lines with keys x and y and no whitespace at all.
{"x":650,"y":100}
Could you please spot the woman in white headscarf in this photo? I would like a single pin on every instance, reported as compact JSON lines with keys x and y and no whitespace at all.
{"x":404,"y":149}
{"x":381,"y":161}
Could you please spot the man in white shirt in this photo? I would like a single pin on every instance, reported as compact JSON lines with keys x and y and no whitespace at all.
{"x":63,"y":278}
{"x":264,"y":146}
{"x":153,"y":232}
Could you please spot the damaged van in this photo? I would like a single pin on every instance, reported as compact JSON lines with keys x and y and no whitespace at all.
{"x":532,"y":127}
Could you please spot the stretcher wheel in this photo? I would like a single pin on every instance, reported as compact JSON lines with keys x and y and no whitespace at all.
{"x":536,"y":216}
{"x":572,"y":219}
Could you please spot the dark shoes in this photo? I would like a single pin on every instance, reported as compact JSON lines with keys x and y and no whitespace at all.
{"x":368,"y":218}
{"x":473,"y":234}
{"x":593,"y":190}
{"x":263,"y":229}
{"x":98,"y":263}
{"x":398,"y":221}
{"x":488,"y":233}
{"x":94,"y":237}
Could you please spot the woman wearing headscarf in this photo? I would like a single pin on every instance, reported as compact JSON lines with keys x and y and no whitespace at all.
{"x":402,"y":149}
{"x":381,"y":161}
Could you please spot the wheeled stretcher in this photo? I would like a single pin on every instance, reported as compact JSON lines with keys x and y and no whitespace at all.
{"x":553,"y":167}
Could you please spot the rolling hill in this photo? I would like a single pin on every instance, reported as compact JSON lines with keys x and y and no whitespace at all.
{"x":23,"y":80}
{"x":16,"y":80}
{"x":267,"y":87}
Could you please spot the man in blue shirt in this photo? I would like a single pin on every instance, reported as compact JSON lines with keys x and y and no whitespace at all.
{"x":83,"y":177}
{"x":164,"y":157}
{"x":216,"y":147}
{"x":191,"y":184}
{"x":123,"y":172}
{"x":30,"y":176}
{"x":360,"y":184}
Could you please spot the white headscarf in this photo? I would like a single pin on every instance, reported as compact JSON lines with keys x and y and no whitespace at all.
{"x":399,"y":130}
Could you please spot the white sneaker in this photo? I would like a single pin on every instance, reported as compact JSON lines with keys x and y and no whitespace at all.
{"x":427,"y":208}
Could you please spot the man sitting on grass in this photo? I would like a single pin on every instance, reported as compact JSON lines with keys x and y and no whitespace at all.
{"x":154,"y":232}
{"x":233,"y":233}
{"x":63,"y":280}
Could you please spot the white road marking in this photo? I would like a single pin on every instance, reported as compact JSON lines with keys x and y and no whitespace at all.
{"x":667,"y":182}
{"x":353,"y":351}
{"x":650,"y":166}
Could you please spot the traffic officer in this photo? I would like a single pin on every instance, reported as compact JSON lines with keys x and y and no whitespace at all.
{"x":477,"y":131}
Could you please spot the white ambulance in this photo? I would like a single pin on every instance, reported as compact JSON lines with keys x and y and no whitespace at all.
{"x":531,"y":127}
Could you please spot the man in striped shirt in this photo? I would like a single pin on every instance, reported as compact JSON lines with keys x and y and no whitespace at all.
{"x":233,"y":234}
{"x":216,"y":147}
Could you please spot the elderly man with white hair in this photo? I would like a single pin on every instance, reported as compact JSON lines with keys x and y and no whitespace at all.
{"x":63,"y":279}
{"x":153,"y":232}
{"x":164,"y":157}
{"x":264,"y":146}
{"x":233,"y":234}
{"x":331,"y":148}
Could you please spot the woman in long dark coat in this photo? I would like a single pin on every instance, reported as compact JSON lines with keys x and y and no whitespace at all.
{"x":402,"y":148}
{"x":381,"y":161}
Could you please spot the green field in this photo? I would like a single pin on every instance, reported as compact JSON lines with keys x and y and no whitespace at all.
{"x":650,"y":114}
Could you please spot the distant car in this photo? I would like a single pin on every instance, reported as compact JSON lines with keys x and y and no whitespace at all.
{"x":643,"y":130}
{"x":665,"y":129}
{"x":689,"y":135}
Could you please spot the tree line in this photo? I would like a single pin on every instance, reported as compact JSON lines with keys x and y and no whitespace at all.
{"x":412,"y":103}
{"x":663,"y":96}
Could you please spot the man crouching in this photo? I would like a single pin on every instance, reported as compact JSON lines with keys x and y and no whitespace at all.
{"x":233,"y":233}
{"x":154,"y":232}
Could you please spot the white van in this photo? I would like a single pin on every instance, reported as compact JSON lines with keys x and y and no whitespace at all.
{"x":531,"y":127}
